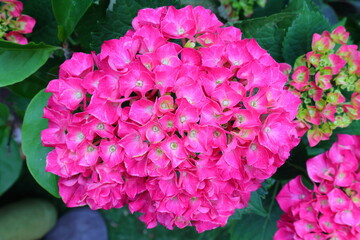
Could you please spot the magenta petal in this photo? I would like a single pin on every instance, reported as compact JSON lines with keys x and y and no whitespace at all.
{"x":292,"y":193}
{"x":133,"y":145}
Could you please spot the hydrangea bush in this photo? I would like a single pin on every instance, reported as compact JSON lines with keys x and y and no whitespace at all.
{"x":181,"y":119}
{"x":331,"y":210}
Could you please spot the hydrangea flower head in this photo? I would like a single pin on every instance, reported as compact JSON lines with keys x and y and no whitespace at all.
{"x":13,"y":24}
{"x":332,"y":209}
{"x":181,"y":119}
{"x":323,"y":79}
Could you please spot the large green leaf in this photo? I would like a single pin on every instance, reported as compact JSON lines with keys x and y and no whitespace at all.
{"x":38,"y":80}
{"x":271,"y":7}
{"x":255,"y":205}
{"x":67,"y":14}
{"x":31,"y":143}
{"x":17,"y":62}
{"x":10,"y":162}
{"x":89,"y":23}
{"x":118,"y":20}
{"x":268,"y":31}
{"x":252,"y":226}
{"x":122,"y":225}
{"x":209,"y":4}
{"x":299,"y":36}
{"x":301,"y":6}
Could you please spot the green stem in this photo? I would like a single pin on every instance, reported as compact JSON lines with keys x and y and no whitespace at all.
{"x":296,"y":167}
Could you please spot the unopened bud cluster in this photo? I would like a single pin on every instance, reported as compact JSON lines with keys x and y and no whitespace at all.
{"x":327,"y":81}
{"x":13,"y":24}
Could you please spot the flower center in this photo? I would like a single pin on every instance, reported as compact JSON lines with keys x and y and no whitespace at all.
{"x":217,"y":134}
{"x":225,"y":103}
{"x":155,"y":128}
{"x":170,"y":124}
{"x":163,"y":105}
{"x":192,"y":133}
{"x":139,"y":83}
{"x":253,"y":147}
{"x":159,"y":152}
{"x":112,"y":148}
{"x":165,"y":61}
{"x":78,"y":95}
{"x":90,"y":149}
{"x":182,"y":119}
{"x":180,"y":31}
{"x":173,"y":145}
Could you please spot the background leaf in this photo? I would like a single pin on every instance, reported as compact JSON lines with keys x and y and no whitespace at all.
{"x":29,"y":87}
{"x":118,"y":20}
{"x":122,"y":225}
{"x":10,"y":162}
{"x":67,"y":14}
{"x":252,"y":226}
{"x":30,"y":57}
{"x":268,"y":31}
{"x":89,"y":23}
{"x":31,"y":143}
{"x":271,"y":7}
{"x":45,"y":29}
{"x":4,"y":114}
{"x":299,"y":36}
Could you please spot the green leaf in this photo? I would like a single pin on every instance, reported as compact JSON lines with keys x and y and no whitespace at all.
{"x":4,"y":114}
{"x":271,"y":7}
{"x":302,"y":6}
{"x":299,"y":36}
{"x":255,"y":205}
{"x":268,"y":31}
{"x":88,"y":24}
{"x":38,"y":80}
{"x":31,"y":143}
{"x":209,"y":4}
{"x":17,"y":62}
{"x":118,"y":20}
{"x":122,"y":225}
{"x":10,"y":162}
{"x":67,"y":14}
{"x":45,"y":29}
{"x":253,"y":226}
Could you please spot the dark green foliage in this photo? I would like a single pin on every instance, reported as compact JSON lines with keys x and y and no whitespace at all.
{"x":118,"y":20}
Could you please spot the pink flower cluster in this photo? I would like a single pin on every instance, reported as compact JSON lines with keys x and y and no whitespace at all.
{"x":180,"y":119}
{"x":332,"y":209}
{"x":12,"y":23}
{"x":323,"y":79}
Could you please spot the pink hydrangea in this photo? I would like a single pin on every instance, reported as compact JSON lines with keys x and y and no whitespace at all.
{"x":13,"y":24}
{"x":322,"y":79}
{"x":331,"y":210}
{"x":181,"y":119}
